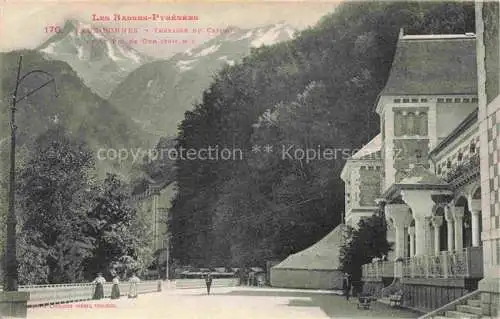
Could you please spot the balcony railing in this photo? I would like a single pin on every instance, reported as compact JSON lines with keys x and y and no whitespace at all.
{"x":375,"y":271}
{"x":466,"y":263}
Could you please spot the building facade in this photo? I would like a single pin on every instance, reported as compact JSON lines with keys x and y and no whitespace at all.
{"x":488,"y":51}
{"x":439,"y":168}
{"x":154,"y":204}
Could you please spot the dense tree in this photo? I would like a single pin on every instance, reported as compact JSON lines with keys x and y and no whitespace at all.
{"x":119,"y":233}
{"x":54,"y":196}
{"x":364,"y":243}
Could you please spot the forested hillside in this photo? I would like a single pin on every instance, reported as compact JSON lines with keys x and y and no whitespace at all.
{"x":318,"y":90}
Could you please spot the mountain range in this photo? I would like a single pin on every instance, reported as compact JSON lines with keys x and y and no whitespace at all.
{"x":82,"y":112}
{"x":100,"y":60}
{"x":157,"y":94}
{"x":153,"y":93}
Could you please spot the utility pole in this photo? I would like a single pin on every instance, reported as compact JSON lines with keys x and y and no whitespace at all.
{"x":11,"y":271}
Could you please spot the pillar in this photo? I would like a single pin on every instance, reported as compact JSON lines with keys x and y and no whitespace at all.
{"x":458,"y":215}
{"x":420,"y":233}
{"x":421,"y":204}
{"x":449,"y":225}
{"x":437,"y":221}
{"x":401,"y":218}
{"x":475,"y":208}
{"x":411,"y":231}
{"x":475,"y":228}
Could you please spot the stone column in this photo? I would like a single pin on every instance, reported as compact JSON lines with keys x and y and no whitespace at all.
{"x":475,"y":208}
{"x":420,"y":225}
{"x":411,"y":231}
{"x":401,"y":218}
{"x":421,"y":204}
{"x":458,"y":215}
{"x":437,"y":221}
{"x":449,"y":226}
{"x":475,"y":228}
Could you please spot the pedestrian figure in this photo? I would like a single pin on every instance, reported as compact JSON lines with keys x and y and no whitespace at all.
{"x":134,"y":280}
{"x":115,"y":290}
{"x":208,"y":282}
{"x":99,"y":287}
{"x":346,"y":285}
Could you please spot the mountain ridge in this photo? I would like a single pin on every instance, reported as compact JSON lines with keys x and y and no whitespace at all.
{"x":167,"y":88}
{"x":100,"y":59}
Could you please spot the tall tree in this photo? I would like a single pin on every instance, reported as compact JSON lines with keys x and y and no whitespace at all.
{"x":364,"y":243}
{"x":54,"y":195}
{"x":117,"y":229}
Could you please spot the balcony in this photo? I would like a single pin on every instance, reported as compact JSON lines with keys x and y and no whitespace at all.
{"x":463,"y":172}
{"x":467,"y":263}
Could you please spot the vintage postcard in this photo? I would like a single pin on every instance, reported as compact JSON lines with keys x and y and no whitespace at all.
{"x":249,"y":159}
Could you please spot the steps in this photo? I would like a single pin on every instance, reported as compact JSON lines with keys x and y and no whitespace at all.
{"x":471,"y":310}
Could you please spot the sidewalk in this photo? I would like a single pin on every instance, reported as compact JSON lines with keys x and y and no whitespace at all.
{"x":224,"y":303}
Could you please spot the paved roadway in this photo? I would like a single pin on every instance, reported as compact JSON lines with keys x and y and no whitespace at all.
{"x":223,"y":303}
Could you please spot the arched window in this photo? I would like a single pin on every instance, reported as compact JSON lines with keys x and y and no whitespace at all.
{"x":422,"y":119}
{"x":411,"y":126}
{"x":399,"y":123}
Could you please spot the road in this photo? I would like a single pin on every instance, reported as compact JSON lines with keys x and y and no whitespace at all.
{"x":223,"y":303}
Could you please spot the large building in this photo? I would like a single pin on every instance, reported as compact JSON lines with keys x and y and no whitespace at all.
{"x":154,"y":204}
{"x":439,"y":184}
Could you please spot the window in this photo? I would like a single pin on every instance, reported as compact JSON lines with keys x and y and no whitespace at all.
{"x":474,"y":100}
{"x":397,"y":100}
{"x":440,"y":100}
{"x":423,"y":100}
{"x":472,"y":148}
{"x":460,"y":156}
{"x":439,"y":170}
{"x":466,"y":100}
{"x":406,"y":100}
{"x":414,"y":100}
{"x":422,"y":120}
{"x":410,"y":124}
{"x":457,"y":100}
{"x":448,"y":164}
{"x":449,"y":100}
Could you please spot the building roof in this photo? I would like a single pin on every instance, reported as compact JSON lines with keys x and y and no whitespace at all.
{"x":469,"y":121}
{"x":433,"y":64}
{"x":323,"y":255}
{"x":369,"y":151}
{"x":422,"y":176}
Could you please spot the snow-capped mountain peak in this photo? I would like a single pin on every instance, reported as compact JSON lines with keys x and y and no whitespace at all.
{"x":101,"y":60}
{"x":232,"y":45}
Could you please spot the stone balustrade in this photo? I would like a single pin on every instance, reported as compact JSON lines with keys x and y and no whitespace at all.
{"x":377,"y":270}
{"x":40,"y":295}
{"x":465,"y":263}
{"x":459,"y":264}
{"x":200,"y":283}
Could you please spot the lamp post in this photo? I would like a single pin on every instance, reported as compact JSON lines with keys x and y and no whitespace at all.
{"x":11,"y":274}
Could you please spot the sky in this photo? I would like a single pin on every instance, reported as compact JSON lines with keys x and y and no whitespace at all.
{"x":27,"y":24}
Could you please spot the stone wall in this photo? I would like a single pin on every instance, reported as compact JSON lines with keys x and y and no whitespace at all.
{"x":426,"y":295}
